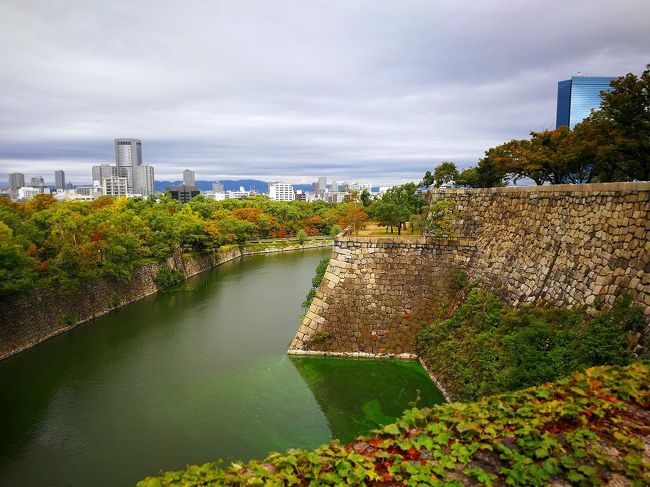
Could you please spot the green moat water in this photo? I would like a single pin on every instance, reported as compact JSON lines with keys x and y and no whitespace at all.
{"x":189,"y":376}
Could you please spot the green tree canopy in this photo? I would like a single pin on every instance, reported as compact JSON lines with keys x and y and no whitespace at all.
{"x":396,"y":206}
{"x":626,"y":109}
{"x":444,"y":173}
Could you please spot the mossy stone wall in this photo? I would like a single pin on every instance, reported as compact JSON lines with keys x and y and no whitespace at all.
{"x":566,"y":245}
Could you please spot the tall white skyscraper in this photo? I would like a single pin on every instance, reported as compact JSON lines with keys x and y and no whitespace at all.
{"x":59,"y":180}
{"x":143,"y":177}
{"x":38,"y":182}
{"x":188,"y":178}
{"x":16,"y":180}
{"x":128,"y":155}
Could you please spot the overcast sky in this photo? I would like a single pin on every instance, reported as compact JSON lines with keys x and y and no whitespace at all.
{"x":366,"y":90}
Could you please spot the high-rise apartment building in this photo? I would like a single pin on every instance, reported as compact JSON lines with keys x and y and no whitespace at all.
{"x":319,"y":186}
{"x":59,"y":180}
{"x":103,"y":171}
{"x":38,"y":182}
{"x":143,"y":178}
{"x":188,"y":178}
{"x":281,"y":191}
{"x":577,"y":97}
{"x":217,"y":187}
{"x":16,"y":180}
{"x":115,"y":186}
{"x":128,"y":155}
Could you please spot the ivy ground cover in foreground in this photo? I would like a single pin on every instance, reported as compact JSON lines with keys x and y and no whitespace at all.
{"x":590,"y":429}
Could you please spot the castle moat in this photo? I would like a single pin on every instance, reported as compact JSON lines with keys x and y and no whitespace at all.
{"x":189,"y":376}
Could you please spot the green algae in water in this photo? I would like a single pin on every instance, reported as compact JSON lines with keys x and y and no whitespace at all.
{"x":357,"y":395}
{"x":188,"y":377}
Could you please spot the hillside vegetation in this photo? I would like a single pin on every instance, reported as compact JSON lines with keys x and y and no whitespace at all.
{"x":590,"y":429}
{"x":485,"y":347}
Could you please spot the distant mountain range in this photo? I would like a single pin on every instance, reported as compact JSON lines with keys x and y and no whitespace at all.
{"x":230,"y":185}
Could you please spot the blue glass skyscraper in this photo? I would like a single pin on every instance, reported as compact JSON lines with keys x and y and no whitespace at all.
{"x":576,"y":97}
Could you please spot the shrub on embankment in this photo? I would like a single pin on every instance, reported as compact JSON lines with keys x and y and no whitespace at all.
{"x":590,"y":429}
{"x":487,"y":348}
{"x":167,"y":277}
{"x":315,"y":282}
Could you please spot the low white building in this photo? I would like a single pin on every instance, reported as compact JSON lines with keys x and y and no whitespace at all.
{"x":316,"y":196}
{"x":215,"y":195}
{"x":28,"y":192}
{"x":337,"y":197}
{"x":93,"y":192}
{"x":281,"y":191}
{"x":360,"y":186}
{"x":73,"y":195}
{"x":242,"y":193}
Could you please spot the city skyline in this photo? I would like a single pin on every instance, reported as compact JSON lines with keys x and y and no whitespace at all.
{"x":100,"y":171}
{"x":379,"y":91}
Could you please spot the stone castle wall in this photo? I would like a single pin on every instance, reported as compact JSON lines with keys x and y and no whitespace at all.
{"x":576,"y":245}
{"x":377,"y":293}
{"x":46,"y":312}
{"x":566,"y":245}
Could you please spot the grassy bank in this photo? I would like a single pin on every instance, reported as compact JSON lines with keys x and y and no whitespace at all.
{"x":486,"y":348}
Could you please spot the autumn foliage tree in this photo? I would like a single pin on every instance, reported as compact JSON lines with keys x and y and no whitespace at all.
{"x":445,"y":173}
{"x":396,"y":206}
{"x":354,"y":217}
{"x":625,"y":111}
{"x":437,"y":219}
{"x":48,"y":243}
{"x":545,"y":157}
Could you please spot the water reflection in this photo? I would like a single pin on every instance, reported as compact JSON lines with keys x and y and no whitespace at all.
{"x":358,"y":395}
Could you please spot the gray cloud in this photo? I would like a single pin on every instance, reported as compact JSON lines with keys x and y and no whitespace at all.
{"x":361,"y":89}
